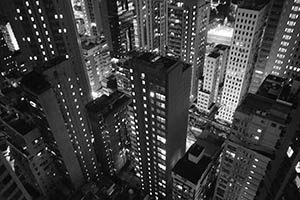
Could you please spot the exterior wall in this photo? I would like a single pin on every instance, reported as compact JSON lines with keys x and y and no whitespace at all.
{"x":158,"y":130}
{"x":245,"y":166}
{"x":284,"y":55}
{"x":242,"y":57}
{"x":11,"y":186}
{"x":261,"y":71}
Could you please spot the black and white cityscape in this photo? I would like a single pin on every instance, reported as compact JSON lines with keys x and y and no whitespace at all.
{"x":149,"y":100}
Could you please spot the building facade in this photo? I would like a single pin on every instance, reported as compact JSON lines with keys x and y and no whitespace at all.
{"x":194,"y":174}
{"x":97,"y":62}
{"x":158,"y":119}
{"x":259,"y":152}
{"x":249,"y":26}
{"x":213,"y":78}
{"x":284,"y":55}
{"x":260,"y":71}
{"x":108,"y":117}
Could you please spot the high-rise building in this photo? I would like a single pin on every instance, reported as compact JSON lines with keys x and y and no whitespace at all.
{"x":183,"y":34}
{"x":108,"y":117}
{"x":115,"y":20}
{"x":284,"y":57}
{"x":97,"y":62}
{"x":260,"y":151}
{"x":175,"y":28}
{"x":29,"y":152}
{"x":158,"y":119}
{"x":213,"y":78}
{"x":48,"y":41}
{"x":241,"y":172}
{"x":194,"y":174}
{"x":150,"y":14}
{"x":249,"y":26}
{"x":88,"y":17}
{"x":60,"y":97}
{"x":284,"y":166}
{"x":260,"y":71}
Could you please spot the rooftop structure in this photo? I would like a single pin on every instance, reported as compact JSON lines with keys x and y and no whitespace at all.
{"x":195,"y":171}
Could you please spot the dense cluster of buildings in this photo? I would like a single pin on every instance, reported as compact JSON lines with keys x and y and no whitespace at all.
{"x":91,"y":90}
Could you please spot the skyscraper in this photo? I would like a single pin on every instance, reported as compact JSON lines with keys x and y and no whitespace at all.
{"x":108,"y":117}
{"x":284,"y":55}
{"x":175,"y":28}
{"x":260,"y":71}
{"x":98,"y":64}
{"x":249,"y":26}
{"x":48,"y":41}
{"x":183,"y":34}
{"x":60,"y":97}
{"x":209,"y":93}
{"x":260,"y":151}
{"x":150,"y":14}
{"x":158,"y":119}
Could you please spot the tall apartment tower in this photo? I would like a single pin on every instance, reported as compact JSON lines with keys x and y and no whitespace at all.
{"x":284,"y":167}
{"x":58,"y":93}
{"x":46,"y":29}
{"x":158,"y":119}
{"x":108,"y":117}
{"x":116,"y":20}
{"x":150,"y":14}
{"x":260,"y":71}
{"x":249,"y":26}
{"x":98,"y":64}
{"x":284,"y":55}
{"x":183,"y":34}
{"x":261,"y":150}
{"x":242,"y":170}
{"x":48,"y":39}
{"x":213,"y":78}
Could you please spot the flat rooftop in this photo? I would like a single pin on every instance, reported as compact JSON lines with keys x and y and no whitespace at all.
{"x":195,"y":150}
{"x":17,"y":121}
{"x":214,"y":54}
{"x":190,"y":170}
{"x":35,"y":82}
{"x":271,"y":87}
{"x":265,"y":107}
{"x":105,"y":105}
{"x":158,"y":63}
{"x":222,"y":47}
{"x":253,"y":4}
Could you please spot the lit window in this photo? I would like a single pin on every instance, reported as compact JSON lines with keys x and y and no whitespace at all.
{"x":290,"y":152}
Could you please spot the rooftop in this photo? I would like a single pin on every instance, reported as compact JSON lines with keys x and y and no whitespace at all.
{"x":106,"y":104}
{"x":253,"y":4}
{"x":214,"y":54}
{"x":17,"y":121}
{"x":190,"y":170}
{"x":157,"y":63}
{"x":271,"y":87}
{"x":222,"y":47}
{"x":195,"y":150}
{"x":35,"y":82}
{"x":89,"y":43}
{"x":265,"y":107}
